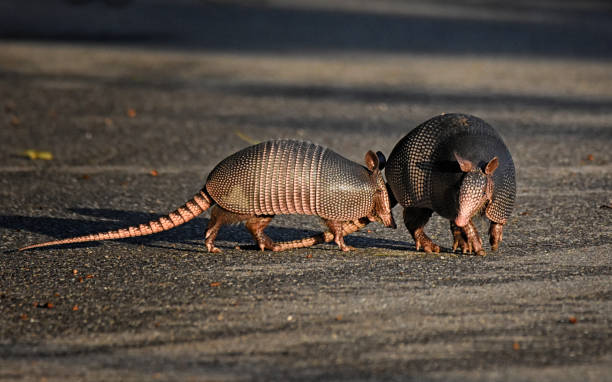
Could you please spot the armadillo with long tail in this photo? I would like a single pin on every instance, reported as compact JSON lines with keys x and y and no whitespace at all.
{"x":456,"y":165}
{"x":272,"y":178}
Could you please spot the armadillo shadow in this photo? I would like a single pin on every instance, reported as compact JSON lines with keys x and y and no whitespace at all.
{"x":190,"y":233}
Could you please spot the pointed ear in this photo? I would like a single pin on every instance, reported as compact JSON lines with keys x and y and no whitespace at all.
{"x":466,"y":165}
{"x":371,"y":160}
{"x":382,"y":161}
{"x":491,"y":166}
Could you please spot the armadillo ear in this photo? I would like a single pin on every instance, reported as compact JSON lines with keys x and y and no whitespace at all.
{"x":466,"y":165}
{"x":382,"y":161}
{"x":371,"y":160}
{"x":491,"y":166}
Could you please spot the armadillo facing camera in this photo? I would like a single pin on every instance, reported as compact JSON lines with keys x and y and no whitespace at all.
{"x":272,"y":178}
{"x":457,"y":166}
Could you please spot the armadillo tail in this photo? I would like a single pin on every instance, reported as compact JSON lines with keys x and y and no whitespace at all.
{"x":324,"y":237}
{"x":192,"y":208}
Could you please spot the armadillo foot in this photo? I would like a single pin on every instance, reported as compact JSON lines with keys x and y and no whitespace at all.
{"x":347,"y":248}
{"x":467,"y":239}
{"x":336,"y":228}
{"x":213,"y":249}
{"x":415,"y":219}
{"x":256,"y":226}
{"x":423,"y":241}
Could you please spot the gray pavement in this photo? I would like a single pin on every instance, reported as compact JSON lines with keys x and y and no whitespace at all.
{"x":113,"y":93}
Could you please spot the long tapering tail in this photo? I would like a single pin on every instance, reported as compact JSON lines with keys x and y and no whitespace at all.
{"x":324,"y":237}
{"x":192,"y":208}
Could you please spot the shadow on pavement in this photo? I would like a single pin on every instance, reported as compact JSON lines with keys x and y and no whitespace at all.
{"x":188,"y":233}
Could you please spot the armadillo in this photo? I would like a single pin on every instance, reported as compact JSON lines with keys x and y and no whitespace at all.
{"x":272,"y":178}
{"x":456,"y":165}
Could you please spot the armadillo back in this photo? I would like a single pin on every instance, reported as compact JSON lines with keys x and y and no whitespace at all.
{"x":291,"y":177}
{"x":422,"y":169}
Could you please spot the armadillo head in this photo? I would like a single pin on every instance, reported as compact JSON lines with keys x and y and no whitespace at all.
{"x":382,"y":207}
{"x":475,"y":190}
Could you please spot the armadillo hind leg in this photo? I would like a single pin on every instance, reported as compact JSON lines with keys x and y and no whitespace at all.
{"x":256,"y":226}
{"x":219,"y":217}
{"x":495,"y":235}
{"x":335,"y":226}
{"x":415,"y":220}
{"x":467,"y":239}
{"x":348,"y":227}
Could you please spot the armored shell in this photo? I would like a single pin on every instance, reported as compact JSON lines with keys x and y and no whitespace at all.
{"x":292,"y":177}
{"x":422,"y":170}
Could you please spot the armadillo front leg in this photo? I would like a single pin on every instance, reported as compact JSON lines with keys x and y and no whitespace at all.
{"x":415,"y":220}
{"x":219,"y":217}
{"x":467,"y":239}
{"x":495,"y":235}
{"x":335,"y":227}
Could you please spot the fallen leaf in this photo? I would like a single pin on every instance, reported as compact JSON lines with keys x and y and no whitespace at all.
{"x":75,"y":271}
{"x":131,"y":113}
{"x":572,"y":320}
{"x":23,"y":316}
{"x":90,"y":276}
{"x":339,"y":317}
{"x":154,"y":173}
{"x":590,"y":157}
{"x":215,"y":284}
{"x":75,"y":308}
{"x":15,"y":121}
{"x":36,"y":154}
{"x":246,"y":138}
{"x":108,"y":122}
{"x":516,"y":346}
{"x":309,"y":256}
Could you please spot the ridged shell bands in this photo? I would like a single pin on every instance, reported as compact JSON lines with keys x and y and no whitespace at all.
{"x":422,"y":169}
{"x":292,"y":177}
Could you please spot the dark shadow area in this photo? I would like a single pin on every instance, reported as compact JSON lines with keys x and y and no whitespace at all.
{"x":253,"y":26}
{"x":415,"y":96}
{"x":408,"y":95}
{"x":189,"y":233}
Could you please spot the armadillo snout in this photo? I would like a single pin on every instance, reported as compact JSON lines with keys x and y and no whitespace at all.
{"x":472,"y":196}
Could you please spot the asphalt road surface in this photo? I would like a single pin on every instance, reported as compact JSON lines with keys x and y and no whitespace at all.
{"x":126,"y":109}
